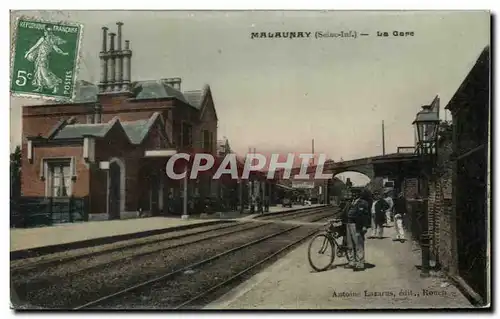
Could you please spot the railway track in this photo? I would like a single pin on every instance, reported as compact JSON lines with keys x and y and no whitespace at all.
{"x":151,"y":293}
{"x":307,"y":215}
{"x":78,"y":279}
{"x":47,"y":261}
{"x":291,"y":215}
{"x":196,"y":284}
{"x":39,"y":278}
{"x":74,"y":286}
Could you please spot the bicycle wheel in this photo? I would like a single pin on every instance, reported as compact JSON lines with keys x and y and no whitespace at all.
{"x":321,"y":252}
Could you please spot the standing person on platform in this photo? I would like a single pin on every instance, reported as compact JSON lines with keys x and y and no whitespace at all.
{"x":376,"y":197}
{"x":388,"y":212}
{"x":259,"y":204}
{"x":266,"y":203}
{"x":252,"y":204}
{"x":399,"y":217}
{"x":380,"y":208}
{"x":170,"y":204}
{"x":358,"y":221}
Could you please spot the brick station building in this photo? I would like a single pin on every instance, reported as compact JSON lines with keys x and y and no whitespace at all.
{"x":111,"y":144}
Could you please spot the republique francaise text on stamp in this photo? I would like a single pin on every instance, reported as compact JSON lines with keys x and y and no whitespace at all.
{"x":45,"y":58}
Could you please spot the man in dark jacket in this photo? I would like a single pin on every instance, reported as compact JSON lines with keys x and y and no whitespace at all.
{"x":358,"y":221}
{"x":380,"y":208}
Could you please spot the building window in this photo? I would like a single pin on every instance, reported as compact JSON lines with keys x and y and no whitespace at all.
{"x":59,"y":178}
{"x":206,"y":140}
{"x":97,"y":117}
{"x":187,"y":137}
{"x":211,"y":142}
{"x":158,"y":141}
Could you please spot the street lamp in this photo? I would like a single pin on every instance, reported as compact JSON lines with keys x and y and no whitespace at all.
{"x":426,"y":128}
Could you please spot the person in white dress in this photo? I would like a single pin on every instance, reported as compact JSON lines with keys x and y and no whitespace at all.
{"x":388,"y":212}
{"x":373,"y":224}
{"x":399,"y":217}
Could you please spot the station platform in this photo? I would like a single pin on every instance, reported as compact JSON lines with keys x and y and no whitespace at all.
{"x":31,"y":238}
{"x":85,"y":234}
{"x":391,"y":281}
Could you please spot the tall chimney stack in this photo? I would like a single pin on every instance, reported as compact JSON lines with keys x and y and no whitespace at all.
{"x":103,"y":55}
{"x":176,"y":83}
{"x":112,"y":61}
{"x":127,"y":55}
{"x":104,"y":38}
{"x":119,"y":59}
{"x":119,"y":42}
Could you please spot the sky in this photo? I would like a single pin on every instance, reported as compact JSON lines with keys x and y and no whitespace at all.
{"x":276,"y":95}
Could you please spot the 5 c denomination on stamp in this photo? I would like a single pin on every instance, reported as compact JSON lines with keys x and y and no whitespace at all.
{"x":45,"y":58}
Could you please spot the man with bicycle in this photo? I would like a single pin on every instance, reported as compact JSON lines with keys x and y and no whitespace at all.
{"x":358,"y":221}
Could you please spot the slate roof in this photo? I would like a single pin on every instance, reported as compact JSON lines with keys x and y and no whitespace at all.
{"x":155,"y":89}
{"x":85,"y":92}
{"x":476,"y":80}
{"x":79,"y":130}
{"x":136,"y":131}
{"x":151,"y":89}
{"x":194,"y":98}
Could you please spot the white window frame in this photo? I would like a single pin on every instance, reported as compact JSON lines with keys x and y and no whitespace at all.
{"x":89,"y":149}
{"x":47,"y":173}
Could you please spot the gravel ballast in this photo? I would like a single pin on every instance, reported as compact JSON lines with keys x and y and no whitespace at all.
{"x":73,"y":289}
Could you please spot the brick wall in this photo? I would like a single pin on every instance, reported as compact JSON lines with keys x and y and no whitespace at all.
{"x":40,"y":119}
{"x":440,"y":220}
{"x":33,"y":185}
{"x":410,"y":188}
{"x":116,"y":146}
{"x":446,"y":235}
{"x":433,"y":205}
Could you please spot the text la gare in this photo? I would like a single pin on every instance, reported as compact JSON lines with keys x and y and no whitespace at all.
{"x":395,"y":34}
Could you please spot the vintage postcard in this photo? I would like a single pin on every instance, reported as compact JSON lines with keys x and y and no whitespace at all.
{"x":320,"y":160}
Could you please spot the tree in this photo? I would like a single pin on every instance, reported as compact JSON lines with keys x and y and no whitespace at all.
{"x":338,"y":187}
{"x":15,"y":173}
{"x":227,"y":148}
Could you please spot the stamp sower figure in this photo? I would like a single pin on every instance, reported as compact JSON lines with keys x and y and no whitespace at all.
{"x":39,"y":55}
{"x":358,"y":220}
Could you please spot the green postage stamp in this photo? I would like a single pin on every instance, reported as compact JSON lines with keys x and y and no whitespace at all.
{"x":45,"y":58}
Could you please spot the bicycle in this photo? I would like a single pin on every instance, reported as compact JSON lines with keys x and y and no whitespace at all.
{"x":331,"y":238}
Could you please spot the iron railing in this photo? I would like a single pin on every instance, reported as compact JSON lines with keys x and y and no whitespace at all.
{"x":46,"y":211}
